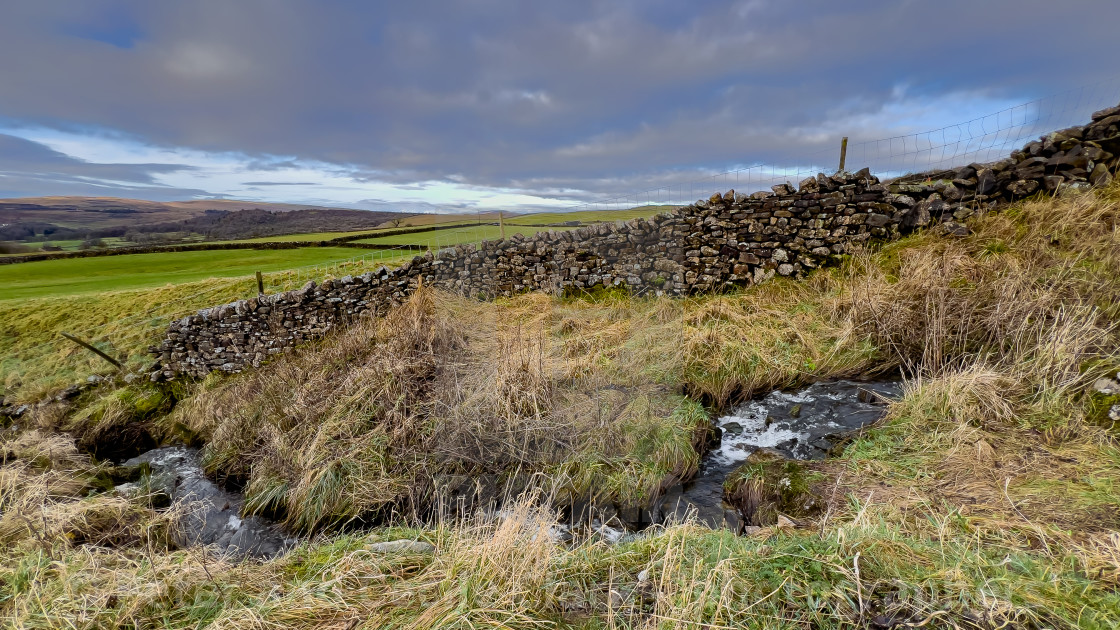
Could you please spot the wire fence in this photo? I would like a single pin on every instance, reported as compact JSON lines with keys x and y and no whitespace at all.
{"x":982,"y":139}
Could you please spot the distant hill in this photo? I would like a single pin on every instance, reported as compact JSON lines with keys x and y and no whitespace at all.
{"x":100,"y":217}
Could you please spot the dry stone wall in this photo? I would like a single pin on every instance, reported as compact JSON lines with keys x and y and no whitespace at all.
{"x":729,"y":240}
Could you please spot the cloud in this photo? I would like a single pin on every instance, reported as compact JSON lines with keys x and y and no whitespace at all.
{"x":494,"y":101}
{"x":279,"y":183}
{"x":28,"y":168}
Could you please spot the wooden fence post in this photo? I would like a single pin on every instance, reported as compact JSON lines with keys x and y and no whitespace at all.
{"x":90,"y":347}
{"x":843,"y":153}
{"x":260,"y":284}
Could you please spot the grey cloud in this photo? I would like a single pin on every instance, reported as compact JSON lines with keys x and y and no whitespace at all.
{"x":279,"y":184}
{"x":576,"y":97}
{"x":28,"y":169}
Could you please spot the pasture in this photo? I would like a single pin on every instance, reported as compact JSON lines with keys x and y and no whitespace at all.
{"x":74,"y":276}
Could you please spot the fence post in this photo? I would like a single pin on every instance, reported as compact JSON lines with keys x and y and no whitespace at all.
{"x":260,"y":284}
{"x":89,"y":346}
{"x":502,"y":225}
{"x":843,"y":153}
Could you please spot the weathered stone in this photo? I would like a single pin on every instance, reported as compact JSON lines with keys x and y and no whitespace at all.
{"x":1100,"y":175}
{"x":401,"y":546}
{"x":1106,"y":113}
{"x":1106,"y":386}
{"x":985,"y":181}
{"x":1022,"y":188}
{"x":877,"y":220}
{"x":953,"y":228}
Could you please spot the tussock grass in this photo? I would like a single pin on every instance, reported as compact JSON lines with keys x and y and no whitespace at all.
{"x":1002,"y":347}
{"x":50,"y":494}
{"x":504,"y":571}
{"x":598,"y":395}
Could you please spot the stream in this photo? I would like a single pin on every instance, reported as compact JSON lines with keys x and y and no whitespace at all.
{"x":804,"y":424}
{"x":211,"y":515}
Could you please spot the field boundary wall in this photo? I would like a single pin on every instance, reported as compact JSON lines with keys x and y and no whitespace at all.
{"x":726,"y":241}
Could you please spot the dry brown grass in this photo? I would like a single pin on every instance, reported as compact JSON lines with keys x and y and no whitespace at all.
{"x":985,"y":499}
{"x":1003,"y":332}
{"x":48,"y":495}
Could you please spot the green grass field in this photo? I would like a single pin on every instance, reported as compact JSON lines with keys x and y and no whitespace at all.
{"x":472,"y":233}
{"x":75,"y":276}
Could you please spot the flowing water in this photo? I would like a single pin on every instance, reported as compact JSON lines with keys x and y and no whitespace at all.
{"x":805,"y":424}
{"x":211,"y":515}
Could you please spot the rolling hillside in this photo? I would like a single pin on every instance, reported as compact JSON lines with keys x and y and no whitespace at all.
{"x":60,"y":218}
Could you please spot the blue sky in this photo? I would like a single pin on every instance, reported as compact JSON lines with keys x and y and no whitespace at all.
{"x":487,"y":104}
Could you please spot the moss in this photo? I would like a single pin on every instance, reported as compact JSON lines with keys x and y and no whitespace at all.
{"x":768,"y":485}
{"x":994,"y":247}
{"x":596,"y":294}
{"x":1099,"y":407}
{"x":117,"y":424}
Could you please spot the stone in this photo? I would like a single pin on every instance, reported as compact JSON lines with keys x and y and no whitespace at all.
{"x":1100,"y":175}
{"x":952,"y":228}
{"x":1106,"y":113}
{"x":1073,"y":188}
{"x":1106,"y":386}
{"x":401,"y":546}
{"x":952,"y":193}
{"x":1022,"y":188}
{"x":864,"y":175}
{"x":985,"y":181}
{"x":919,"y":216}
{"x":878,"y":220}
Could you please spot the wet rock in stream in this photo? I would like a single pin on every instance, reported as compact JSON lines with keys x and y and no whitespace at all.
{"x":211,"y":516}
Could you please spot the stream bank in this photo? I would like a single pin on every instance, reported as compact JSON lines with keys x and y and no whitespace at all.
{"x":805,"y":424}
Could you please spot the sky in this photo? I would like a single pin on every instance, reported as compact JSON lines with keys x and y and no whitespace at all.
{"x":523,"y":104}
